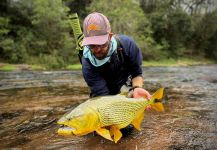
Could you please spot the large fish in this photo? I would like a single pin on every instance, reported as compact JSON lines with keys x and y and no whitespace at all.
{"x":107,"y":115}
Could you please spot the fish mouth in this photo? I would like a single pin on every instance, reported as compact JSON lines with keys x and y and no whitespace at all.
{"x":65,"y":130}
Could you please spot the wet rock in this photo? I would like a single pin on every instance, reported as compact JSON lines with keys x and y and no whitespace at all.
{"x":152,"y":86}
{"x":18,"y":141}
{"x":27,"y":79}
{"x":177,"y":147}
{"x":186,"y":80}
{"x":211,"y":79}
{"x":34,"y":125}
{"x":9,"y":115}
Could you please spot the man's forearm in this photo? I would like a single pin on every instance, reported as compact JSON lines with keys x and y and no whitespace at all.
{"x":137,"y":81}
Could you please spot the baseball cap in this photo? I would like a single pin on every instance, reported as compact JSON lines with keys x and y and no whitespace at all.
{"x":96,"y":28}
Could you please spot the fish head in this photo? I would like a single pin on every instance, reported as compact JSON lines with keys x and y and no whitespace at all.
{"x":78,"y":122}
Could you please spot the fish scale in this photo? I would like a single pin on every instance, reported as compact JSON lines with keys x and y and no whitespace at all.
{"x":120,"y":112}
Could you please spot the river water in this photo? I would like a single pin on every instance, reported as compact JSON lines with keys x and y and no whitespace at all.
{"x":32,"y":102}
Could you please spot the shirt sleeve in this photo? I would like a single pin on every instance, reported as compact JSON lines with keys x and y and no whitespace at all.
{"x":96,"y":83}
{"x":135,"y":57}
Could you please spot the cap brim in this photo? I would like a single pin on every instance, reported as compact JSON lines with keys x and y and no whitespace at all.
{"x":95,"y":40}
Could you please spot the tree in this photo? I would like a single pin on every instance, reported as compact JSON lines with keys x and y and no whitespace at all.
{"x":78,"y":6}
{"x":205,"y":35}
{"x":13,"y":48}
{"x":172,"y":27}
{"x":126,"y":17}
{"x":39,"y":32}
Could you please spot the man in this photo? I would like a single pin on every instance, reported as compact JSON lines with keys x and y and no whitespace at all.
{"x":109,"y":62}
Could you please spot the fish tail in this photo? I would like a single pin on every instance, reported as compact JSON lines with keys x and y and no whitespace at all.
{"x":157,"y":98}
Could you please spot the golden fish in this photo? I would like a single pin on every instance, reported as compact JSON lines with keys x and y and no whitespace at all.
{"x":108,"y":114}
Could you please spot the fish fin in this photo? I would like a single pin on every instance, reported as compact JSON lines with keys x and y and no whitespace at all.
{"x":138,"y":120}
{"x":158,"y":107}
{"x":157,"y":97}
{"x":115,"y":130}
{"x":158,"y":94}
{"x":104,"y":133}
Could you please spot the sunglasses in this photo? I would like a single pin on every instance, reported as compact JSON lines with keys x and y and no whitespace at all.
{"x":96,"y":46}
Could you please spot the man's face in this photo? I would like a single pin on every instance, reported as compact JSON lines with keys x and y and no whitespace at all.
{"x":100,"y":51}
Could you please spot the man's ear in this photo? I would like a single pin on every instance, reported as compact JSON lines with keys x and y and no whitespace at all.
{"x":110,"y":35}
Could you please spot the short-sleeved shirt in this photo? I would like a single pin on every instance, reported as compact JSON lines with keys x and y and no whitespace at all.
{"x":111,"y":76}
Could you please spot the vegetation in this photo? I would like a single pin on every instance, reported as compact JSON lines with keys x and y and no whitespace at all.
{"x":38,"y":32}
{"x":7,"y":67}
{"x":178,"y":62}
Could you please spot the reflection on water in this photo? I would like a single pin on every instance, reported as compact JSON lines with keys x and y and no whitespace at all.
{"x":31,"y":103}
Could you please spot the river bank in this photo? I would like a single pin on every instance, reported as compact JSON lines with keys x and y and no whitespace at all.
{"x":165,"y":62}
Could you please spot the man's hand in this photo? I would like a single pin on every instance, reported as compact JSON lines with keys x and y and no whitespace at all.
{"x":140,"y":92}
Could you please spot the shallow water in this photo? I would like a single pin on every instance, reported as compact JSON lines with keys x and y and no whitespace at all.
{"x":31,"y":103}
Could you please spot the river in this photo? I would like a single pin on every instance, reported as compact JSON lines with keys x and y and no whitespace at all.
{"x":32,"y":102}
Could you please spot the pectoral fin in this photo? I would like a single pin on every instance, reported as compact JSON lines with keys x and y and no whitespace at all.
{"x":104,"y":133}
{"x":138,"y":120}
{"x":115,"y":130}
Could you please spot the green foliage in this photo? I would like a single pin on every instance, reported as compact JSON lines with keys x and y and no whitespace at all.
{"x":78,"y":6}
{"x":178,"y":62}
{"x":172,"y":30}
{"x":51,"y":61}
{"x":4,"y":26}
{"x":178,"y":29}
{"x":6,"y":44}
{"x":51,"y":29}
{"x":7,"y":67}
{"x":126,"y":17}
{"x":36,"y":28}
{"x":205,"y":35}
{"x":74,"y":67}
{"x":150,"y":6}
{"x":7,"y":49}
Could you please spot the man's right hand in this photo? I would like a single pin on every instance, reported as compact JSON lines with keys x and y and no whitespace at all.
{"x":140,"y":92}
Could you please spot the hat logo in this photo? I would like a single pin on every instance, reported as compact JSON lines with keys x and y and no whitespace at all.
{"x":92,"y":27}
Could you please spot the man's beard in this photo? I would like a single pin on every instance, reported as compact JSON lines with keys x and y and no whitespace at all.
{"x":101,"y":57}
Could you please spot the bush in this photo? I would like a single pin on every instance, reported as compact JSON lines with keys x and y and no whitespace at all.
{"x":171,"y":30}
{"x":51,"y":62}
{"x":205,"y":35}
